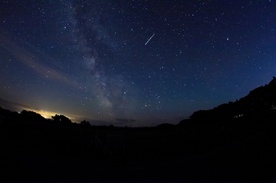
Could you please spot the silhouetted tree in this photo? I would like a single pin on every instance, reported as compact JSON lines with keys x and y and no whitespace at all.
{"x":61,"y":119}
{"x":85,"y":123}
{"x":32,"y":116}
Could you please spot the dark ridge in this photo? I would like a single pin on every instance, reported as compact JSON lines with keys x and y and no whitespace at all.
{"x":234,"y":141}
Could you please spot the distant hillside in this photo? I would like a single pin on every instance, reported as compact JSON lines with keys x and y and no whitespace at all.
{"x":258,"y":102}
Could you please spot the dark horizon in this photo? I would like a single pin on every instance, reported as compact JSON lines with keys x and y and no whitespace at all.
{"x":127,"y":122}
{"x":234,"y":141}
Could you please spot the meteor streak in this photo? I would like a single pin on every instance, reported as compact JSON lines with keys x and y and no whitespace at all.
{"x":149,"y":39}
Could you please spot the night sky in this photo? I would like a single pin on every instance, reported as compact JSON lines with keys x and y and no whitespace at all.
{"x":134,"y":63}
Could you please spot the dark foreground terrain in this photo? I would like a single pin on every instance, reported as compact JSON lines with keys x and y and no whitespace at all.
{"x":234,"y":141}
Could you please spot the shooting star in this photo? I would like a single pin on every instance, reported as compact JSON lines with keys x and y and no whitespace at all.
{"x":149,"y":39}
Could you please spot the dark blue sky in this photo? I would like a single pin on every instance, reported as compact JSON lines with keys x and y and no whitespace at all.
{"x":135,"y":63}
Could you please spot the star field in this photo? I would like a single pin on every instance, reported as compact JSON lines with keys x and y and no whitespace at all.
{"x":133,"y":63}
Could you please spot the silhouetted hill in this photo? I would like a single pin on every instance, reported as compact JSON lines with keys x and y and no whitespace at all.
{"x":258,"y":101}
{"x":234,"y":141}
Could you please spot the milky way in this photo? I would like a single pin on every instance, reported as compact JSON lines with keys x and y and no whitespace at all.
{"x":134,"y":62}
{"x":88,"y":33}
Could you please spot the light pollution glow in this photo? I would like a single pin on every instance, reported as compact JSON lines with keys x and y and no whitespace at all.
{"x":49,"y":114}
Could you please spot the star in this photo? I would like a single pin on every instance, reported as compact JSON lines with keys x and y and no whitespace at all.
{"x":149,"y":59}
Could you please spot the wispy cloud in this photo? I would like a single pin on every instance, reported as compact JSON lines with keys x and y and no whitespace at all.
{"x":33,"y":61}
{"x":13,"y":105}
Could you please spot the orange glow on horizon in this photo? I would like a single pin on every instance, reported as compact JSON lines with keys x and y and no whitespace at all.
{"x":49,"y":114}
{"x":45,"y":114}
